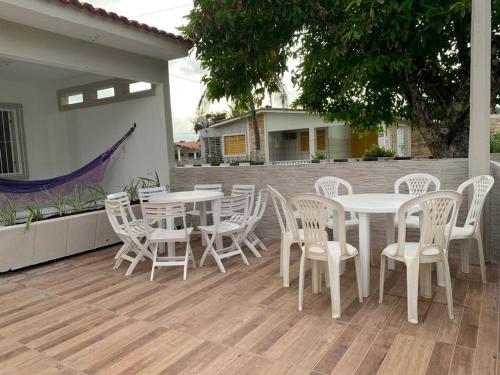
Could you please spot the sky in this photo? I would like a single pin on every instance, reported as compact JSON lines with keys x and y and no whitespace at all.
{"x":185,"y":74}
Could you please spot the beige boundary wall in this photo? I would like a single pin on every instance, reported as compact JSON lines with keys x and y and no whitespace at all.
{"x":371,"y":176}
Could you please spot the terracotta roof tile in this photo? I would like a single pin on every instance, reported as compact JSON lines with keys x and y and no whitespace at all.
{"x":117,"y":18}
{"x":193,"y":145}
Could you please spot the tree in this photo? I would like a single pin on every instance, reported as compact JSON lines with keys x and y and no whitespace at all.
{"x":364,"y":62}
{"x":237,"y":44}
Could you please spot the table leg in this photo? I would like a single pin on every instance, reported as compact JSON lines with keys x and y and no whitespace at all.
{"x":335,"y":232}
{"x":171,"y":245}
{"x":389,"y":235}
{"x":364,"y":251}
{"x":316,"y":276}
{"x":425,"y":275}
{"x":203,"y":218}
{"x":440,"y":274}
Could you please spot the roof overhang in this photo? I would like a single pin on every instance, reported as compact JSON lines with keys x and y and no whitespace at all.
{"x":53,"y":16}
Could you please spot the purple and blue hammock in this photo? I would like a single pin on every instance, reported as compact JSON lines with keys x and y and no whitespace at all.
{"x":37,"y":190}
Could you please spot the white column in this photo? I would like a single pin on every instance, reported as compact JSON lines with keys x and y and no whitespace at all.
{"x":312,"y":142}
{"x":480,"y":86}
{"x":480,"y":77}
{"x":179,"y":154}
{"x":195,"y":156}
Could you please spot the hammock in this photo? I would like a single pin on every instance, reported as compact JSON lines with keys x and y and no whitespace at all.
{"x":91,"y":173}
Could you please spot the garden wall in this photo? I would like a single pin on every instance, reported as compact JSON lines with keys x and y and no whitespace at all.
{"x":365,"y":177}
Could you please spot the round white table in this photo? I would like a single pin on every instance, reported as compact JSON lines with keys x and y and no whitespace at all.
{"x":364,"y":205}
{"x":195,"y":196}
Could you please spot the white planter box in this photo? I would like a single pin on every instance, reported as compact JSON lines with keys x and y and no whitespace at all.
{"x":55,"y":238}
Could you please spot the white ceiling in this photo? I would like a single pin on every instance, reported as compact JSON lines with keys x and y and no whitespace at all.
{"x":15,"y":70}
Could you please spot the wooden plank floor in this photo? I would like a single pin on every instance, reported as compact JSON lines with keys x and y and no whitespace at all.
{"x":79,"y":316}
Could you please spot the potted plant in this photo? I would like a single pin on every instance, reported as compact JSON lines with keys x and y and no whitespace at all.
{"x":318,"y":157}
{"x":377,"y":152}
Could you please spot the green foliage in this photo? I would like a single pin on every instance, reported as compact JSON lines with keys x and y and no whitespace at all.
{"x":97,"y":195}
{"x":76,"y":200}
{"x":58,"y":202}
{"x":377,"y":151}
{"x":495,"y":143}
{"x":8,"y":213}
{"x":35,"y":213}
{"x":137,"y":183}
{"x":361,"y":62}
{"x":319,"y":155}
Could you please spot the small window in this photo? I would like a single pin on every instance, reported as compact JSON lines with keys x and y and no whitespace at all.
{"x":304,"y":141}
{"x":139,"y":87}
{"x":235,"y":145}
{"x":108,"y":92}
{"x":321,"y":139}
{"x":71,"y":99}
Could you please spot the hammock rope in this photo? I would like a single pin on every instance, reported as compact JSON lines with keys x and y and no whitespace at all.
{"x":92,"y":172}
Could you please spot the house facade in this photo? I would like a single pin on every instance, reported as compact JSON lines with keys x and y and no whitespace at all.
{"x":187,"y":152}
{"x":285,"y":134}
{"x":73,"y":80}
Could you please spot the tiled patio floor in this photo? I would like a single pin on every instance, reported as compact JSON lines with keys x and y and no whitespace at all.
{"x":79,"y":316}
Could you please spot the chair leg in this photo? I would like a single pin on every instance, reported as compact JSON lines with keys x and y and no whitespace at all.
{"x":252,"y":248}
{"x":134,"y":263}
{"x":217,"y":259}
{"x":186,"y":261}
{"x":155,"y":254}
{"x":237,"y":245}
{"x":286,"y":262}
{"x":412,"y":274}
{"x":301,"y":281}
{"x":480,"y":251}
{"x":191,"y":254}
{"x":382,"y":278}
{"x":282,"y":246}
{"x":210,"y":243}
{"x":334,"y":273}
{"x":464,"y":256}
{"x":449,"y":292}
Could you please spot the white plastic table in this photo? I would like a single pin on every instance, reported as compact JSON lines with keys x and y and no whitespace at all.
{"x":364,"y":205}
{"x":195,"y":196}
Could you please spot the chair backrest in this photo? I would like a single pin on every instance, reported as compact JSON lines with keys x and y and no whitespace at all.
{"x":417,"y":183}
{"x":283,"y":213}
{"x":258,"y":212}
{"x":439,"y":211}
{"x":124,"y":200}
{"x":244,"y":189}
{"x":211,"y":187}
{"x":231,"y":206}
{"x":155,"y":212}
{"x":329,"y":186}
{"x":482,"y":186}
{"x":313,"y":211}
{"x":119,"y":220}
{"x":146,"y":193}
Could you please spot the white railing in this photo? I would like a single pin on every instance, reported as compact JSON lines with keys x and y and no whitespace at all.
{"x":290,"y":162}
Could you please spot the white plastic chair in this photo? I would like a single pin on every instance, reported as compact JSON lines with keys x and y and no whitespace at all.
{"x":245,"y":189}
{"x":314,"y":211}
{"x":124,"y":200}
{"x":290,"y":234}
{"x":249,"y":238}
{"x":472,"y":226}
{"x":208,"y":187}
{"x":226,"y":207}
{"x":146,"y":193}
{"x":133,"y":249}
{"x":417,"y":185}
{"x":156,"y":213}
{"x":439,"y":211}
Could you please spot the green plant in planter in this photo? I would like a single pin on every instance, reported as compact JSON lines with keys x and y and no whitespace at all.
{"x":97,"y":195}
{"x":8,"y":213}
{"x":141,"y":182}
{"x":378,"y":152}
{"x":319,"y":155}
{"x":57,"y":202}
{"x":35,"y":213}
{"x":76,"y":201}
{"x":495,"y":143}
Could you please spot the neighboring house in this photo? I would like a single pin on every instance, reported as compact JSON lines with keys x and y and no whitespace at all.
{"x":73,"y":79}
{"x":187,"y":151}
{"x":285,"y":134}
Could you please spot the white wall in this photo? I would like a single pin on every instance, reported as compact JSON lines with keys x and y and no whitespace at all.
{"x":61,"y":142}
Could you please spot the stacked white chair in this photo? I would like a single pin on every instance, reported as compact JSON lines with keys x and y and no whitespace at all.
{"x":146,"y":193}
{"x":155,"y":213}
{"x":245,"y":189}
{"x":439,"y":214}
{"x":249,"y":238}
{"x":312,"y":209}
{"x":207,"y":187}
{"x":290,"y":234}
{"x":130,"y":233}
{"x":417,"y":184}
{"x":226,"y":207}
{"x":472,"y":228}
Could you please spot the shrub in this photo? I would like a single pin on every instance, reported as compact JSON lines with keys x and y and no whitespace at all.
{"x":495,"y":143}
{"x":378,"y":152}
